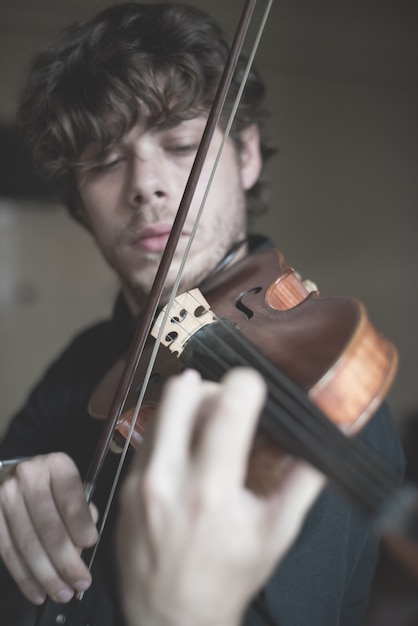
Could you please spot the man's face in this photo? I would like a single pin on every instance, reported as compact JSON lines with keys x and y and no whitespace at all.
{"x":129,"y":201}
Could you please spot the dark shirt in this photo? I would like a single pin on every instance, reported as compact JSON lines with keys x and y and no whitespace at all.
{"x":323,"y":581}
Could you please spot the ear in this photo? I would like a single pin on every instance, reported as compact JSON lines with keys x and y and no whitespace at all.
{"x":251,"y":162}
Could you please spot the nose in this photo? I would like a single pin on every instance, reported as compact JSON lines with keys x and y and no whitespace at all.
{"x":148,"y":182}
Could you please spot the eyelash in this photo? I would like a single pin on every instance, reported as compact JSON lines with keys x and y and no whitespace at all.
{"x":100,"y":167}
{"x":183,"y":148}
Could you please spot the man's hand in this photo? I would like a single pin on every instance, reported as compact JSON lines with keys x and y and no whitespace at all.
{"x":44,"y":524}
{"x":194,"y":544}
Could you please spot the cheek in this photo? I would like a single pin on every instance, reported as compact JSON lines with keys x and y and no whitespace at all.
{"x":226,"y":185}
{"x":229,"y":193}
{"x":95,"y":205}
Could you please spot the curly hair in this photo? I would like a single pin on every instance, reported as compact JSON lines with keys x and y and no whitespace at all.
{"x":91,"y":84}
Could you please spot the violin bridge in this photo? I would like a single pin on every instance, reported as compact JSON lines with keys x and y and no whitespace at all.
{"x":188,"y":314}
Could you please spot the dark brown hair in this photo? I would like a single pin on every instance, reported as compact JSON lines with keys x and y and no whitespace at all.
{"x":90,"y":85}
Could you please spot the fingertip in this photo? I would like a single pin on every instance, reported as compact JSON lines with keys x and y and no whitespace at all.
{"x":190,"y":374}
{"x":302,"y":486}
{"x":91,"y":538}
{"x":94,"y":512}
{"x":310,"y":476}
{"x":175,"y":385}
{"x":82,"y":584}
{"x":36,"y":597}
{"x":247,"y":387}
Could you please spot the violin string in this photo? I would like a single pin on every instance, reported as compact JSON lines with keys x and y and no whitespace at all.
{"x":178,"y":279}
{"x":317,"y":434}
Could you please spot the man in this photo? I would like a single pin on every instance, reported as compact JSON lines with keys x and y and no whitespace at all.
{"x":114,"y":111}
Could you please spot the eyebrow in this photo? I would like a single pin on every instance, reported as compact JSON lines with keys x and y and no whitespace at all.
{"x":173,"y":121}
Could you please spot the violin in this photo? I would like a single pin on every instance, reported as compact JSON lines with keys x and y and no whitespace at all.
{"x":327,"y":370}
{"x":321,"y":357}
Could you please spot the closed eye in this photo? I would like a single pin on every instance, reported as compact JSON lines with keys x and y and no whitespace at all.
{"x":183,"y":149}
{"x":108,"y":165}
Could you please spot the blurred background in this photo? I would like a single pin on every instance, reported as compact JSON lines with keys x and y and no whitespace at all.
{"x":343,"y":92}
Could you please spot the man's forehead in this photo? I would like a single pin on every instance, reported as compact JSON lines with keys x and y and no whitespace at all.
{"x":174,"y":121}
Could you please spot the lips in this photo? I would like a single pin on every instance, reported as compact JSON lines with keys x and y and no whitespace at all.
{"x":153,"y":238}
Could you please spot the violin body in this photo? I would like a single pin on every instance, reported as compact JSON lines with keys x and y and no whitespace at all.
{"x":326,"y":346}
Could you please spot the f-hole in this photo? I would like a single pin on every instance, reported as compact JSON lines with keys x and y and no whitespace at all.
{"x":242,"y":307}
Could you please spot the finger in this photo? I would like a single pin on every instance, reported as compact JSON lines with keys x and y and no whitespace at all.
{"x":26,"y":552}
{"x":94,"y":512}
{"x":158,"y":473}
{"x":174,"y":423}
{"x":290,"y":505}
{"x":61,"y":518}
{"x":70,"y":500}
{"x":224,"y":448}
{"x":17,"y":568}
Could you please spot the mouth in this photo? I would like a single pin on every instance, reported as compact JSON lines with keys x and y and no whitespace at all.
{"x":153,"y":238}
